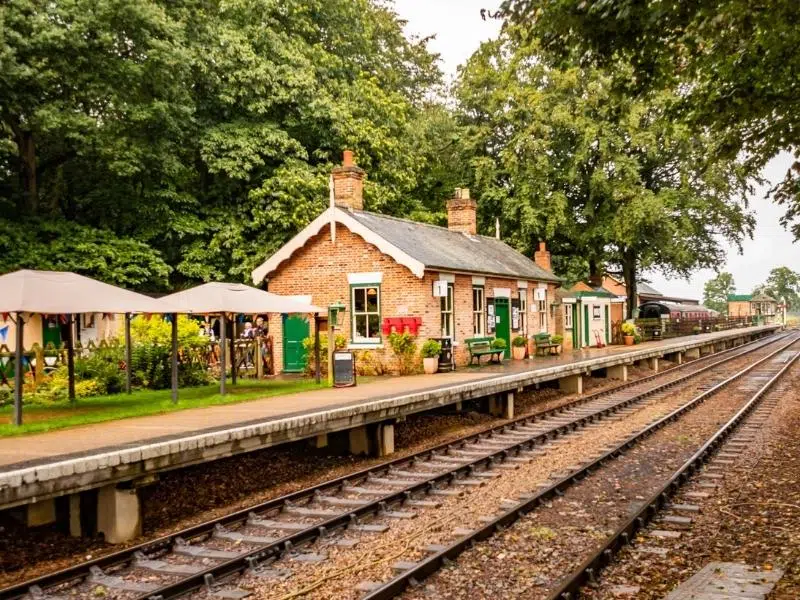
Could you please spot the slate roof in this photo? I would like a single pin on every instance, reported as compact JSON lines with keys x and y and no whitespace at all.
{"x":440,"y":248}
{"x":647,"y":290}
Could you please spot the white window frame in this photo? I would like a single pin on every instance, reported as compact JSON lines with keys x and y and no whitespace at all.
{"x":567,"y":316}
{"x":443,"y":310}
{"x":523,"y":310}
{"x":542,"y":306}
{"x":354,"y":315}
{"x":479,"y":311}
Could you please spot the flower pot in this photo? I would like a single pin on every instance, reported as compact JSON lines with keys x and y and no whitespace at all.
{"x":628,"y":340}
{"x":430,"y":365}
{"x":518,"y":352}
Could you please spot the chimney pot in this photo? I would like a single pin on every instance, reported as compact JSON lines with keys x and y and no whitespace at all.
{"x":347,"y":159}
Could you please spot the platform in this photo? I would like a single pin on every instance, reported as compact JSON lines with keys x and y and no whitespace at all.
{"x":47,"y":465}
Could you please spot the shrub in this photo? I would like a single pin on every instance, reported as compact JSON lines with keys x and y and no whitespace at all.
{"x":637,"y":339}
{"x":405,"y":349}
{"x":697,"y":329}
{"x":369,"y":364}
{"x":308,"y":345}
{"x":519,"y":341}
{"x":431,"y":349}
{"x":557,"y":339}
{"x":499,"y":344}
{"x":628,"y":329}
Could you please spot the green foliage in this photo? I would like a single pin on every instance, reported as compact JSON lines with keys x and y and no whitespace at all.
{"x":519,"y":341}
{"x":716,"y":292}
{"x":152,"y":352}
{"x":200,"y":135}
{"x":628,"y":329}
{"x":608,"y":178}
{"x":782,"y":283}
{"x":340,"y":342}
{"x":103,"y":367}
{"x":734,"y":62}
{"x":431,"y":349}
{"x":499,"y":344}
{"x":404,"y":347}
{"x":557,"y":339}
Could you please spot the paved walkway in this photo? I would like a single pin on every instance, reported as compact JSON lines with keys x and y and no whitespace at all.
{"x":87,"y":439}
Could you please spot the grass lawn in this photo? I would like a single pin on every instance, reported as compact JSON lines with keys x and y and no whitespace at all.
{"x":57,"y":415}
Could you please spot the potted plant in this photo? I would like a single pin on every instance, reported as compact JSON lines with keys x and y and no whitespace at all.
{"x":628,"y":332}
{"x":518,"y":347}
{"x":697,"y":329}
{"x":557,"y":339}
{"x":499,"y":344}
{"x":430,"y":356}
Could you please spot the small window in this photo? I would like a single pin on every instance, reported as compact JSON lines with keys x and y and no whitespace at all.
{"x":567,"y":316}
{"x":446,"y":305}
{"x":523,"y":311}
{"x":478,"y":310}
{"x":596,"y":313}
{"x":366,"y":310}
{"x":542,"y":306}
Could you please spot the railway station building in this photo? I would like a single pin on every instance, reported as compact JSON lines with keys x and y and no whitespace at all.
{"x":752,"y":305}
{"x":400,"y":275}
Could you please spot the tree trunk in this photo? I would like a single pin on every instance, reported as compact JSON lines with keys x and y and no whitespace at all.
{"x":26,"y":147}
{"x":629,"y":273}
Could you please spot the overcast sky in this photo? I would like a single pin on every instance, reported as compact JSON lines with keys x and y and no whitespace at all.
{"x":459,"y":31}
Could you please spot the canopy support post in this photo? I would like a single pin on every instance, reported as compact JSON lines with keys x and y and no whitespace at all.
{"x":71,"y":357}
{"x":128,"y":353}
{"x":223,"y":347}
{"x":316,"y":348}
{"x":18,"y":380}
{"x":234,"y":373}
{"x":174,"y":358}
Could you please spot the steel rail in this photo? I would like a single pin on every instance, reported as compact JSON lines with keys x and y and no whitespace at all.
{"x":126,"y":556}
{"x":433,"y":562}
{"x":589,"y":570}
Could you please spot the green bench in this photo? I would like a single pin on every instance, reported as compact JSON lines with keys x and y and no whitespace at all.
{"x":543,"y":343}
{"x":482,"y":346}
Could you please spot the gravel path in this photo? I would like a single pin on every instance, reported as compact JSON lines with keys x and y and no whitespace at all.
{"x":752,"y":518}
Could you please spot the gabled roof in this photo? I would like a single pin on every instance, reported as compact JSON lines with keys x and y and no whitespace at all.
{"x":418,"y":246}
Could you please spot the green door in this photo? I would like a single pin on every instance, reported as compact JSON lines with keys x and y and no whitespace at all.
{"x":608,"y":327}
{"x":503,"y":323}
{"x":51,"y":331}
{"x":295,"y":330}
{"x":575,"y":325}
{"x":586,"y":341}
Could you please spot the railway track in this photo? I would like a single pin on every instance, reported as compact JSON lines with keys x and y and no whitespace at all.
{"x":203,"y":557}
{"x":757,"y":379}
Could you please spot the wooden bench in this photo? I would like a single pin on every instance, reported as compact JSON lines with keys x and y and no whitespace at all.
{"x":482,"y":346}
{"x":543,"y":343}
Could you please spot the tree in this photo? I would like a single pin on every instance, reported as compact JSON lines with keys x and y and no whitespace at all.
{"x":733,"y":62}
{"x":205,"y":131}
{"x":782,"y":284}
{"x":606,"y":177}
{"x":716,"y":292}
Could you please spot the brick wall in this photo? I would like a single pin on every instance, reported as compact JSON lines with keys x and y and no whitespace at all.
{"x":320,"y":269}
{"x":739,"y":309}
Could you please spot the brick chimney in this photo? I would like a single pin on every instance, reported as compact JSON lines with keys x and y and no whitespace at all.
{"x":461,"y":212}
{"x":348,"y":183}
{"x":542,"y":257}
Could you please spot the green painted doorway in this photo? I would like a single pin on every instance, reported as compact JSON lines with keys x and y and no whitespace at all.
{"x":295,"y":330}
{"x":51,"y":331}
{"x":502,"y":325}
{"x":575,"y":325}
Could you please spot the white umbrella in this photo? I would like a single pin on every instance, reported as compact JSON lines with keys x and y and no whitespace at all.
{"x":217,"y":298}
